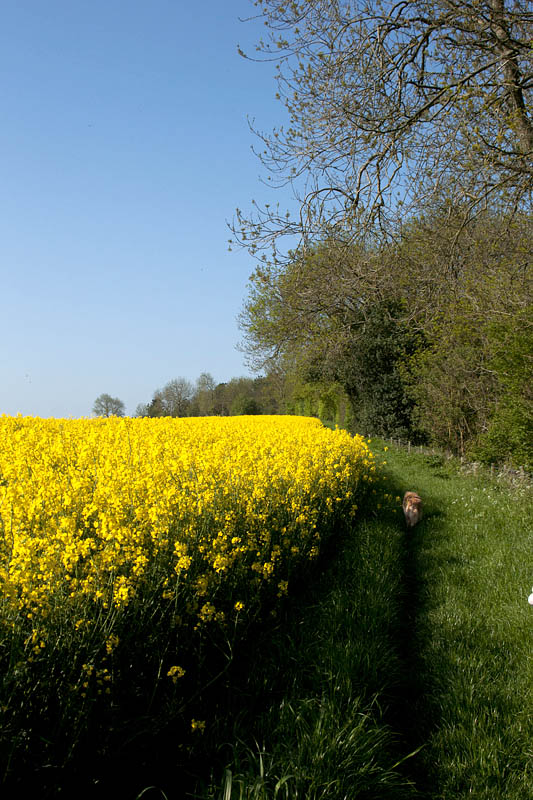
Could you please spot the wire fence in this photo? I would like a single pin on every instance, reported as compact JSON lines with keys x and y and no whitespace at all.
{"x":504,"y":472}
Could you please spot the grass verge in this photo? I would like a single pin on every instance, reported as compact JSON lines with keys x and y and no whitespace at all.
{"x":468,"y":573}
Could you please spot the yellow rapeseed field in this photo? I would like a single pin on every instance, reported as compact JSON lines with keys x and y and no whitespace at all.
{"x":107,"y":523}
{"x":88,"y":506}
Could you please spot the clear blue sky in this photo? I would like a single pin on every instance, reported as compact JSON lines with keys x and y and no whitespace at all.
{"x":124,"y":151}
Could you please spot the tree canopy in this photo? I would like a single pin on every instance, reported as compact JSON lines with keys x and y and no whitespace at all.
{"x":107,"y":406}
{"x":392,"y":105}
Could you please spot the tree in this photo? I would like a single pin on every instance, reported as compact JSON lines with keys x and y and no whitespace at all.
{"x":462,"y":299}
{"x":244,"y":405}
{"x":142,"y":410}
{"x":407,"y":328}
{"x":306,"y":310}
{"x":392,"y":105}
{"x":173,"y":400}
{"x":107,"y":406}
{"x":243,"y":395}
{"x":239,"y":396}
{"x":204,"y":395}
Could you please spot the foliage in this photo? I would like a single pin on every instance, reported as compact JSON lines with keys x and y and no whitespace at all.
{"x":409,"y":149}
{"x":370,"y":369}
{"x":390,"y":107}
{"x":173,"y":400}
{"x":331,"y":315}
{"x":450,"y":382}
{"x":409,"y":330}
{"x":203,"y":398}
{"x":107,"y":406}
{"x":246,"y":396}
{"x":179,"y":398}
{"x":508,"y":437}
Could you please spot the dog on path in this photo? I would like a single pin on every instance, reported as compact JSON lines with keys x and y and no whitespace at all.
{"x":412,"y":508}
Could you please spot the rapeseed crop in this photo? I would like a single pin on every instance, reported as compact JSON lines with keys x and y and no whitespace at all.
{"x":118,"y":530}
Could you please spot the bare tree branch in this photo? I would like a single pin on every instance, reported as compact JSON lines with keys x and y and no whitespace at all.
{"x":392,"y":106}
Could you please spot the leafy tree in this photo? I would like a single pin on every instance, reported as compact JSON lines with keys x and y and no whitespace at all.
{"x":410,"y":153}
{"x":451,"y":384}
{"x":372,"y":372}
{"x":240,"y":396}
{"x":306,"y":305}
{"x":173,"y":400}
{"x":244,"y":405}
{"x":142,"y":410}
{"x":204,"y":395}
{"x":334,"y":315}
{"x":261,"y":395}
{"x":324,"y":399}
{"x":392,"y":106}
{"x":459,"y":296}
{"x":404,"y":328}
{"x":154,"y":408}
{"x":332,"y":326}
{"x":107,"y":406}
{"x":508,"y":433}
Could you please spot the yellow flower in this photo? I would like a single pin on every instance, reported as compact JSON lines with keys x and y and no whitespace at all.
{"x":111,"y":643}
{"x":103,"y":515}
{"x":175,"y":673}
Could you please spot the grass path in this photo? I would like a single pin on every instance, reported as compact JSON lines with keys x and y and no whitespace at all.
{"x":404,"y":668}
{"x":469,"y":569}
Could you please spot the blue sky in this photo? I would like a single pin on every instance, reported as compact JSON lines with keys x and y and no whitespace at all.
{"x":124,"y":151}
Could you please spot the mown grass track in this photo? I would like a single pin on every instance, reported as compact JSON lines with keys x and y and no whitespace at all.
{"x":468,"y":572}
{"x":405,"y":670}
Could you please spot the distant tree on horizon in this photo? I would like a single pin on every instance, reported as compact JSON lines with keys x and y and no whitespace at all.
{"x":173,"y":400}
{"x":107,"y":406}
{"x":204,"y":395}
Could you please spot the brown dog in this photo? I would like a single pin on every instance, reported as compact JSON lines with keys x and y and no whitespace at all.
{"x":412,"y":508}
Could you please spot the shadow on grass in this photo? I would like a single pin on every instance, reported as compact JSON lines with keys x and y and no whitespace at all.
{"x":321,"y":705}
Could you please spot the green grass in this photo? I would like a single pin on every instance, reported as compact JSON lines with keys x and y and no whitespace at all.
{"x":470,"y":571}
{"x":313,"y":701}
{"x":404,"y":668}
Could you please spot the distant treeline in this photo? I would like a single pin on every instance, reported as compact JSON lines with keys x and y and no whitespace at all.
{"x":181,"y":398}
